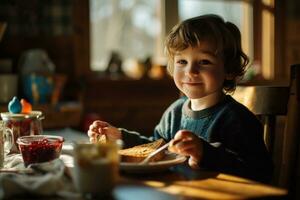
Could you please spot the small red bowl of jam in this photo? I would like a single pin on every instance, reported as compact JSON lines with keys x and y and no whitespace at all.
{"x":40,"y":148}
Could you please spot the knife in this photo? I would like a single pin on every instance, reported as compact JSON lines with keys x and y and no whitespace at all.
{"x":151,"y":155}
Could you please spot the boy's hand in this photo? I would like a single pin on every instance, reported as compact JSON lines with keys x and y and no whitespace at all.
{"x":99,"y":128}
{"x":188,"y":144}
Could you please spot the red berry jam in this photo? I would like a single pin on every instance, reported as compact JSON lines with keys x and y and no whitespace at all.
{"x":36,"y":149}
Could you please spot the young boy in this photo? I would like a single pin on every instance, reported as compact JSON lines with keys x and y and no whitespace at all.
{"x":207,"y":125}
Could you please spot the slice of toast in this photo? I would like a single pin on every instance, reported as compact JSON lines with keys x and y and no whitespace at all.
{"x":140,"y":152}
{"x":102,"y":138}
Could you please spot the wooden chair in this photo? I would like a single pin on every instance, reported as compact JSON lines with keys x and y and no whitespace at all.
{"x":270,"y":103}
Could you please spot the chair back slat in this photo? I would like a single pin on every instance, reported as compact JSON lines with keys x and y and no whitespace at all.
{"x":291,"y":148}
{"x":264,"y":100}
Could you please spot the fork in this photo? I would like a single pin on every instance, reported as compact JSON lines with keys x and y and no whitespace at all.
{"x":160,"y":149}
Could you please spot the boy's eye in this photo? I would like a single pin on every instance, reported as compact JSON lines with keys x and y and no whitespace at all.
{"x":205,"y":62}
{"x":181,"y":62}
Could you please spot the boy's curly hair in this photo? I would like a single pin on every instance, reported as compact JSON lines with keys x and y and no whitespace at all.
{"x":213,"y":28}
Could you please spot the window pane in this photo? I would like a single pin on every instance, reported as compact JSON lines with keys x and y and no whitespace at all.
{"x":229,"y":10}
{"x":128,"y":27}
{"x":237,"y":12}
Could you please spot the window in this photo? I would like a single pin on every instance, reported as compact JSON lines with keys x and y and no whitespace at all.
{"x":136,"y":28}
{"x":128,"y":27}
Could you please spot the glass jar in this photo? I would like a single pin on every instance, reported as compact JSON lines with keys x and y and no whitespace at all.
{"x":23,"y":124}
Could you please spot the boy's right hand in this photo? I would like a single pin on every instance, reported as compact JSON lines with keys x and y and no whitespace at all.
{"x":99,"y":128}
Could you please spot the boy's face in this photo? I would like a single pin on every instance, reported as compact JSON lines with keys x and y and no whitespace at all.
{"x":198,"y":72}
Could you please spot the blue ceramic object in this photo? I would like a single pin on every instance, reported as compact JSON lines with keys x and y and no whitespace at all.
{"x":37,"y":88}
{"x":14,"y":106}
{"x":37,"y":72}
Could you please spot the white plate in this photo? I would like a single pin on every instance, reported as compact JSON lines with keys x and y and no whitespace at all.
{"x":169,"y":161}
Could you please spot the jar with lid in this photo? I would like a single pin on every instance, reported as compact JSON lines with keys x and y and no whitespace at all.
{"x":23,"y":124}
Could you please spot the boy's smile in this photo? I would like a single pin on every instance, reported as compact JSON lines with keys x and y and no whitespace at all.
{"x":199,"y":73}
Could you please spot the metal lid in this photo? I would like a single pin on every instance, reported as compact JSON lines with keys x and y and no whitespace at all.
{"x":20,"y":116}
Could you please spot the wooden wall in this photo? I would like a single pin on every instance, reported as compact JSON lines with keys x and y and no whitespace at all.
{"x":70,"y":53}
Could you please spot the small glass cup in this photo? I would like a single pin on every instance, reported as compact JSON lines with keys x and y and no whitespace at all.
{"x":6,"y":142}
{"x":40,"y":148}
{"x":96,"y":168}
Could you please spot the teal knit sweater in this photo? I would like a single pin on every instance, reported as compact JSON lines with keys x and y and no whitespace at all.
{"x":231,"y":134}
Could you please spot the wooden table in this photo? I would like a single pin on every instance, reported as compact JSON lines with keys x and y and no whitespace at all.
{"x":209,"y":185}
{"x":183,"y":184}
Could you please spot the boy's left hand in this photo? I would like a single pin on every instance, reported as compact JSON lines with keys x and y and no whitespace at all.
{"x":188,"y":144}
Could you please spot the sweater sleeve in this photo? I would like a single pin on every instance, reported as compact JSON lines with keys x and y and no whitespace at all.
{"x":132,"y":138}
{"x":240,"y":151}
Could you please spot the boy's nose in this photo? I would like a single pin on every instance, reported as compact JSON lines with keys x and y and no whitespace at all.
{"x":192,"y":69}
